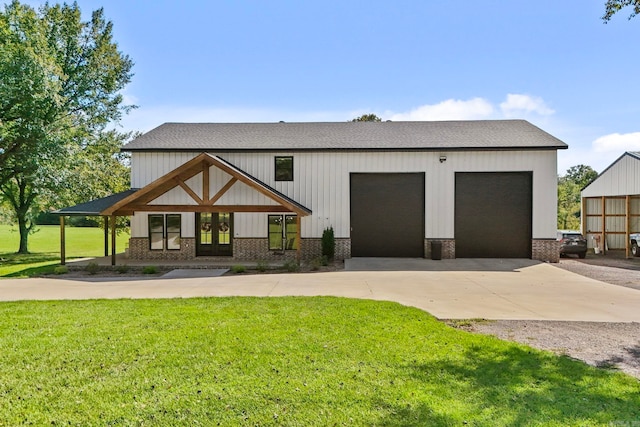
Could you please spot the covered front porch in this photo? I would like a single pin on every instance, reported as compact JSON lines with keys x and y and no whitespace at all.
{"x":197,"y":191}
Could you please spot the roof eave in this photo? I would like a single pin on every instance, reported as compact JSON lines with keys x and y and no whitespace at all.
{"x":345,"y":149}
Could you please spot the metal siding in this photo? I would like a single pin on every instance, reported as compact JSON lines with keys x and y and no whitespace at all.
{"x":321,"y":183}
{"x":594,"y":206}
{"x":620,"y":179}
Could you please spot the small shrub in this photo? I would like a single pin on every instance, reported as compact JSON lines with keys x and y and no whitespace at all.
{"x":316,"y":263}
{"x":237,"y":269}
{"x":92,"y":268}
{"x":262,"y":266}
{"x":61,"y":269}
{"x":328,"y":243}
{"x":122,"y":268}
{"x":291,"y":266}
{"x":149,"y":269}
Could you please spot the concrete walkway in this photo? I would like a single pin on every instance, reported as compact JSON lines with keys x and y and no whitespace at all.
{"x":458,"y":289}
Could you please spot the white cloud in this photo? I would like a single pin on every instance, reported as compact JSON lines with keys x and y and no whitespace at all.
{"x":146,"y":118}
{"x":617,"y":142}
{"x":128,"y":99}
{"x":519,"y":104}
{"x":451,"y":109}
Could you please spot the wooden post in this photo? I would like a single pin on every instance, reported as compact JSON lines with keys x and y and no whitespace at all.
{"x":113,"y":240}
{"x":627,"y":225}
{"x":205,"y":182}
{"x":604,"y":225}
{"x":583,"y":217}
{"x":298,"y":237}
{"x":62,"y":242}
{"x":106,"y":236}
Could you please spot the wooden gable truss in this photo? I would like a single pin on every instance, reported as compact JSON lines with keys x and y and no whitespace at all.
{"x":204,"y":202}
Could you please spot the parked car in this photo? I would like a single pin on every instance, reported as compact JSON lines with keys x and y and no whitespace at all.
{"x":634,"y":241}
{"x":572,"y":242}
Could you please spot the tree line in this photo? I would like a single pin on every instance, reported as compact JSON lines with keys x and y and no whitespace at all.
{"x":61,"y":80}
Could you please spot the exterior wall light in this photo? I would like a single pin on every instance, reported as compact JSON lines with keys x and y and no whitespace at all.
{"x":443,"y":158}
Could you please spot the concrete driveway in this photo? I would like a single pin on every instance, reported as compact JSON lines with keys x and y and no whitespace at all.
{"x":448,"y":289}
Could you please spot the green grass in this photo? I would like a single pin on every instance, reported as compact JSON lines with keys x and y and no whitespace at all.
{"x":44,"y":246}
{"x":284,"y":361}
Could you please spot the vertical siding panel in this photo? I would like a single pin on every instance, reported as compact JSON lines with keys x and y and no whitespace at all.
{"x":321,"y":183}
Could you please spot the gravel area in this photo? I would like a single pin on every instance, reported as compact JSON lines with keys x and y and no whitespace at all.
{"x":605,"y":345}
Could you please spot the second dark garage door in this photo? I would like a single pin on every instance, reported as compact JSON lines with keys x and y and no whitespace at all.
{"x":387,"y":214}
{"x":493,"y":214}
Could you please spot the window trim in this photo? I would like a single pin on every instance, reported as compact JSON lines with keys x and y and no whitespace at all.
{"x":285,"y":237}
{"x":173,"y":233}
{"x":275,"y":173}
{"x":165,"y":232}
{"x":152,"y":233}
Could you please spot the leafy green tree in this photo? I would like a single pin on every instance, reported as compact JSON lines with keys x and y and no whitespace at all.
{"x":60,"y":84}
{"x":614,"y":6}
{"x":581,"y":175}
{"x":569,"y":187}
{"x":367,"y":118}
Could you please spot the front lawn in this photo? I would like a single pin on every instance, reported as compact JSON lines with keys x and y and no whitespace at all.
{"x":44,"y":246}
{"x":283,"y":361}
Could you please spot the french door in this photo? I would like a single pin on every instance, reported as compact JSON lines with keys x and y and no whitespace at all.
{"x":214,"y":234}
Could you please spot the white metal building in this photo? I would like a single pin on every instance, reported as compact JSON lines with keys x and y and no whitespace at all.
{"x":611,"y":204}
{"x":265,"y":191}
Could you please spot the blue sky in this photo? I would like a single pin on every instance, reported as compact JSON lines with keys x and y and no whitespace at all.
{"x":554,"y":63}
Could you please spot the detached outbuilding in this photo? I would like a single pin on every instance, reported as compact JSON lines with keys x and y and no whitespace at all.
{"x":267,"y":191}
{"x":611,"y":204}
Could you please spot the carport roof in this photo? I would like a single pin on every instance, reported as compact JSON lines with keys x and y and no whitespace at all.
{"x":385,"y":136}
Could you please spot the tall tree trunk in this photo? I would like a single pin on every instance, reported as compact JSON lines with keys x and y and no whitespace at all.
{"x":21,"y":196}
{"x":24,"y":233}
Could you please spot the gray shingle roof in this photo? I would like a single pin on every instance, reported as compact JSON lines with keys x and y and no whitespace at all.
{"x":449,"y":135}
{"x":94,"y":207}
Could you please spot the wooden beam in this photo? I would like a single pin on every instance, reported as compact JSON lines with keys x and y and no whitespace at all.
{"x":113,"y":240}
{"x":205,"y":181}
{"x":62,"y":242}
{"x":189,"y":191}
{"x":161,"y":185}
{"x":259,"y":188}
{"x":222,"y":191}
{"x":207,"y":208}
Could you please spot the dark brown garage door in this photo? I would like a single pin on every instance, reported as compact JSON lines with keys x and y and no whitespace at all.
{"x":387,"y":214}
{"x":493,"y":215}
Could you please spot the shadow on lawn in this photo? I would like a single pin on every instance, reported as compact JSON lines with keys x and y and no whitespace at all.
{"x":22,"y":265}
{"x":519,"y":387}
{"x":632,"y":358}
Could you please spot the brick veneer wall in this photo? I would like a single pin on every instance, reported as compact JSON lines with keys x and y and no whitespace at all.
{"x":312,"y":248}
{"x":139,"y":249}
{"x":448,"y":248}
{"x":545,"y":250}
{"x":252,"y":249}
{"x":244,"y":249}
